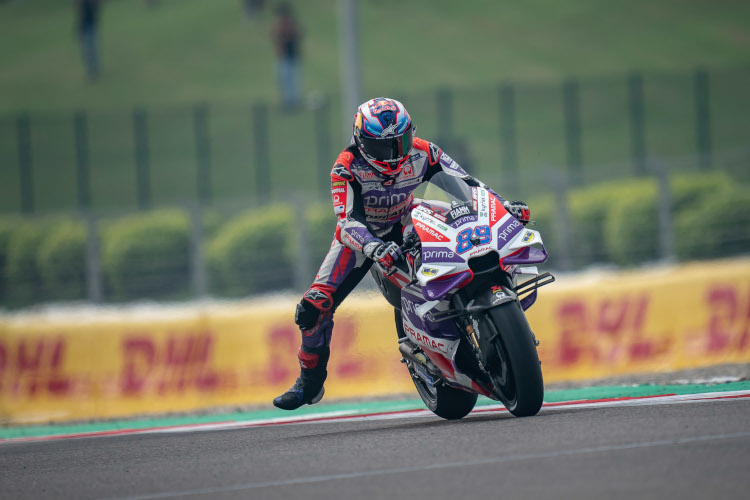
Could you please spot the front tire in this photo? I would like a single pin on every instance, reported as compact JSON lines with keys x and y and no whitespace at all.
{"x":514,"y":364}
{"x":444,"y":401}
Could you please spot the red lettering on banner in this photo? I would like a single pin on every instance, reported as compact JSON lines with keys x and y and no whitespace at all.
{"x":344,"y":342}
{"x":722,"y":302}
{"x":139,"y":355}
{"x":728,"y":325}
{"x":283,"y":341}
{"x":180,"y":363}
{"x":609,"y":331}
{"x":572,"y":318}
{"x":33,"y":366}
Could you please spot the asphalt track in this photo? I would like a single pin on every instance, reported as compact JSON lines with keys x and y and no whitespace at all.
{"x":661,"y":448}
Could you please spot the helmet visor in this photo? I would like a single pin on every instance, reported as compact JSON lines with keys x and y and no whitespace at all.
{"x":390,"y":149}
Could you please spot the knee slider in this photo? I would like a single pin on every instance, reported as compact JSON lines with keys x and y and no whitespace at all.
{"x":306,"y":315}
{"x":313,"y":303}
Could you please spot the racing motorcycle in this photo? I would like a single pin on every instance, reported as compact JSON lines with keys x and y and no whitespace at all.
{"x":459,"y":304}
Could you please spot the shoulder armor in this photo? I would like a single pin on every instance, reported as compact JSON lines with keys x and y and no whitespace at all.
{"x":433,"y":152}
{"x":341,"y":167}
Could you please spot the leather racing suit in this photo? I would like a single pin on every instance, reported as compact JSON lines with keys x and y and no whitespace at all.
{"x":367,"y":205}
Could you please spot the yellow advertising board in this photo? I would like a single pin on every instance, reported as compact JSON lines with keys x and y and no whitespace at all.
{"x":109,"y":363}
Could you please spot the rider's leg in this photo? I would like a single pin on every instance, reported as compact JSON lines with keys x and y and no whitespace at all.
{"x":341,"y":271}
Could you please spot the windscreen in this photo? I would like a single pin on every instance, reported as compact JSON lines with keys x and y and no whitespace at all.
{"x":446,"y":188}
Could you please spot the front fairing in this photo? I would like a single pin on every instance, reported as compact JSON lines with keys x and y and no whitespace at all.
{"x":456,"y":223}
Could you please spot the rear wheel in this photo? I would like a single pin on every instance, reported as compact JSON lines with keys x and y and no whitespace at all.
{"x":513,"y":361}
{"x":444,"y":401}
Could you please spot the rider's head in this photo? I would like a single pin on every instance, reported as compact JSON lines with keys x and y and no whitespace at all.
{"x":383,"y":132}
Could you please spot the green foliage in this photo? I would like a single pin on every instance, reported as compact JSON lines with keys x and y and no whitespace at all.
{"x":689,"y":189}
{"x":588,"y":207}
{"x":715,"y":226}
{"x":24,"y":278}
{"x":544,"y":214}
{"x":61,"y":260}
{"x":321,"y":225}
{"x":632,"y":225}
{"x":252,"y":253}
{"x":147,"y":255}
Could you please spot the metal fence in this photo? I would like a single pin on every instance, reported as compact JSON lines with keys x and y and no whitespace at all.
{"x":211,"y":162}
{"x":506,"y":135}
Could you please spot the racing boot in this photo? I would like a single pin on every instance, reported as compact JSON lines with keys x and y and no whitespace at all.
{"x":308,"y":389}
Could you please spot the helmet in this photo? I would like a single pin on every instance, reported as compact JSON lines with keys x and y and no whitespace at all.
{"x":383,"y":132}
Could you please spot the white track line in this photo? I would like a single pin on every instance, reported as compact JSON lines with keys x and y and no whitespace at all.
{"x":447,"y":465}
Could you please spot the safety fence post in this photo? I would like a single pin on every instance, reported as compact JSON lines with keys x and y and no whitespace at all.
{"x":444,"y":116}
{"x":572,"y":113}
{"x":142,"y":175}
{"x":508,"y":141}
{"x":26,"y":177}
{"x":94,"y":288}
{"x":703,"y":117}
{"x":83,"y":174}
{"x":202,"y":153}
{"x":262,"y":159}
{"x":198,"y":275}
{"x":637,"y":123}
{"x":664,"y":207}
{"x":321,"y":124}
{"x":302,"y":262}
{"x":560,"y":184}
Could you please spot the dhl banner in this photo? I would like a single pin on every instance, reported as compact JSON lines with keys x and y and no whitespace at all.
{"x":107,"y":363}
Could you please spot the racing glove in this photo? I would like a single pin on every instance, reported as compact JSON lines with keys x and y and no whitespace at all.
{"x":384,"y":254}
{"x":519,"y":210}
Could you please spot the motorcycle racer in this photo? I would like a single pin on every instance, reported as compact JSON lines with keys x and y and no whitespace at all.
{"x":372,"y":185}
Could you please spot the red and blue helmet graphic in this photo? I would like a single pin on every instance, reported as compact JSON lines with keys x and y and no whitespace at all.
{"x":383,"y":132}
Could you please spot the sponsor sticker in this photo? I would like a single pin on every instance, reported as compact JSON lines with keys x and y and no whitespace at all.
{"x":529,"y":236}
{"x":339,"y":183}
{"x":339,"y":209}
{"x":459,"y":211}
{"x":503,"y":235}
{"x":429,"y":271}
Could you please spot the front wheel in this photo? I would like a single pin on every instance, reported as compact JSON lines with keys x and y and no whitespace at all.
{"x":444,"y":401}
{"x":513,"y":361}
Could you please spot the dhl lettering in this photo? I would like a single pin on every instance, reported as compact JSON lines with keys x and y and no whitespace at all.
{"x":608,"y":332}
{"x":33,"y":368}
{"x":728,"y":327}
{"x":181,"y":362}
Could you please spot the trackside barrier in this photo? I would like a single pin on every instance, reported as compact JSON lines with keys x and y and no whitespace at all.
{"x":105,"y":363}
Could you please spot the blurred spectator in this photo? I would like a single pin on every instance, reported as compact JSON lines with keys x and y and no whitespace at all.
{"x":88,"y":19}
{"x":286,"y":40}
{"x":253,"y":7}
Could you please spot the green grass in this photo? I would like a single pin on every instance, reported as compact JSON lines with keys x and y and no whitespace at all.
{"x":187,"y":50}
{"x":182,"y":52}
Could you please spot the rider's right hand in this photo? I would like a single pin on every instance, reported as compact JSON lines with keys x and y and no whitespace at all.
{"x":384,"y":254}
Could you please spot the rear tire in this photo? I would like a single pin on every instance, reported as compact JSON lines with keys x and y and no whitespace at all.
{"x":514,"y":367}
{"x":444,"y":401}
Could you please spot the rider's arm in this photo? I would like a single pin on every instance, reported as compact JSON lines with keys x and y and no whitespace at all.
{"x":441,"y":162}
{"x":438,"y":161}
{"x":353,"y":230}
